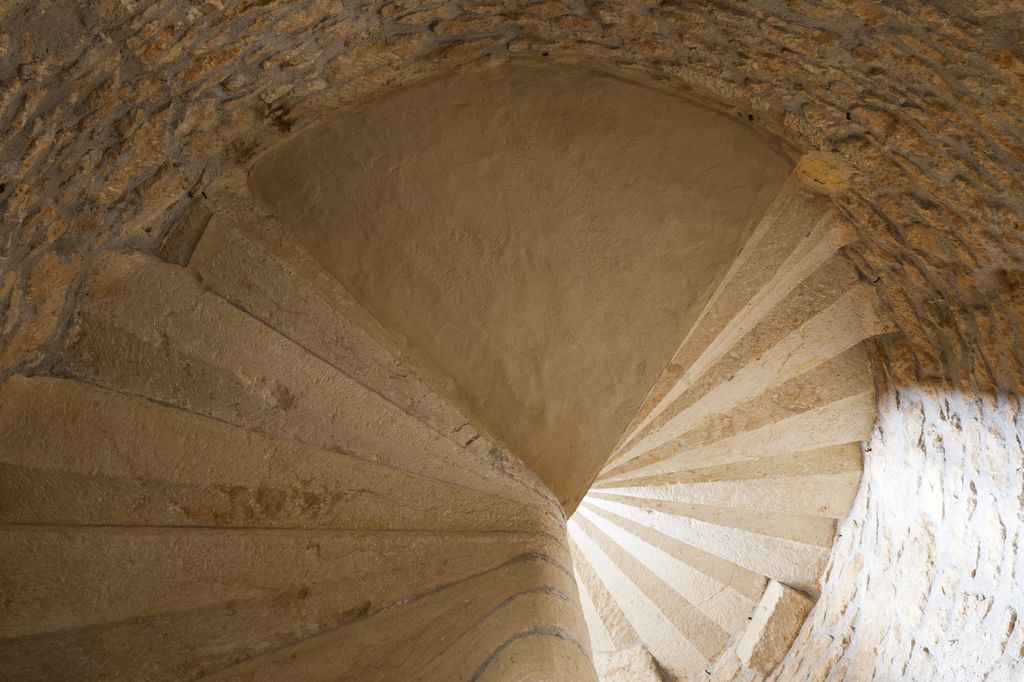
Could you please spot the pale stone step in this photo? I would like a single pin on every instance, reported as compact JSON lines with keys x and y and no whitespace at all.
{"x":87,"y":455}
{"x":727,"y":607}
{"x":384,"y":646}
{"x":838,"y":378}
{"x":657,"y":632}
{"x":805,"y":302}
{"x":615,"y":623}
{"x":774,"y":626}
{"x":149,"y":328}
{"x":844,"y":421}
{"x":833,"y":459}
{"x":634,"y":664}
{"x":827,"y":495}
{"x":748,"y":448}
{"x":829,"y":333}
{"x":792,"y":550}
{"x":809,"y":530}
{"x":836,"y":460}
{"x":702,"y":632}
{"x":798,"y":232}
{"x":726,"y":575}
{"x":600,"y":640}
{"x":61,"y":578}
{"x":262,"y":271}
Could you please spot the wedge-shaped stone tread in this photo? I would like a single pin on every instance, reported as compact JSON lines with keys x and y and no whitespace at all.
{"x":744,"y":455}
{"x":151,"y":329}
{"x":87,"y":455}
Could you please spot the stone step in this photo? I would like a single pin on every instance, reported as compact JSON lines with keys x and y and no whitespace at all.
{"x":720,"y":591}
{"x":704,"y":633}
{"x":361,"y":634}
{"x":813,"y":495}
{"x":748,"y":372}
{"x":654,"y":628}
{"x":791,"y":549}
{"x":600,"y":637}
{"x":262,"y":271}
{"x":614,"y":623}
{"x":634,"y":664}
{"x":844,"y":421}
{"x":149,"y":328}
{"x":746,"y":451}
{"x":162,"y":571}
{"x":204,"y":492}
{"x":91,"y":456}
{"x":798,"y":232}
{"x":837,"y":383}
{"x":429,"y":633}
{"x":837,"y":378}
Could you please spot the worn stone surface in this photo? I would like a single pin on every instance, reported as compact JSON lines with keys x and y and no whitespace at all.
{"x":774,"y":625}
{"x":89,"y":455}
{"x":924,"y":579}
{"x":115,"y":115}
{"x":746,"y":454}
{"x":166,"y":526}
{"x":628,"y":665}
{"x":151,"y":329}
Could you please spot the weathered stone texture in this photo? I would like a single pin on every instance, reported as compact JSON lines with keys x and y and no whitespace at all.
{"x":110,"y":122}
{"x":740,"y":462}
{"x":115,"y":114}
{"x":773,"y":626}
{"x":924,"y":581}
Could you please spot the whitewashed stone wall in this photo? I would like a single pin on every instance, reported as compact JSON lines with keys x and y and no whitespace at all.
{"x":924,"y":580}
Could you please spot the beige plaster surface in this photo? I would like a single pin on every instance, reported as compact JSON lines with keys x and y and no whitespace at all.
{"x":539,"y":238}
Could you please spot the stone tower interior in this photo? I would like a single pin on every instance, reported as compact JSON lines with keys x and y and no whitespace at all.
{"x":514,"y":340}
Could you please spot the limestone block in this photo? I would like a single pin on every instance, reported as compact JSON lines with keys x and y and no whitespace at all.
{"x":151,"y":329}
{"x":89,"y":455}
{"x":774,"y":626}
{"x":635,"y":664}
{"x":180,"y":241}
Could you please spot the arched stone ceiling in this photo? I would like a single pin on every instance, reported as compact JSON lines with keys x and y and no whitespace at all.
{"x":541,"y":238}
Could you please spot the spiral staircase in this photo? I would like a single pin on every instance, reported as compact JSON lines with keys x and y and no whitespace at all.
{"x":733,"y":474}
{"x":229,"y":475}
{"x":233,"y":474}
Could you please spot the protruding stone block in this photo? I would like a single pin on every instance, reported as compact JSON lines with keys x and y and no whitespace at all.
{"x":822,"y":173}
{"x":635,"y":664}
{"x":776,"y":621}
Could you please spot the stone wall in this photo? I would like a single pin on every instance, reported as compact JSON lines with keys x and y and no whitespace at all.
{"x":116,"y":114}
{"x":111,"y":121}
{"x":925,"y":576}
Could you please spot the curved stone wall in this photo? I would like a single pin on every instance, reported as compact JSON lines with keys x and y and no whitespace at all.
{"x":924,"y":580}
{"x":116,"y":116}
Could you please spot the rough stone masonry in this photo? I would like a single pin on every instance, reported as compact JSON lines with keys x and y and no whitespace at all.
{"x":117,"y":115}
